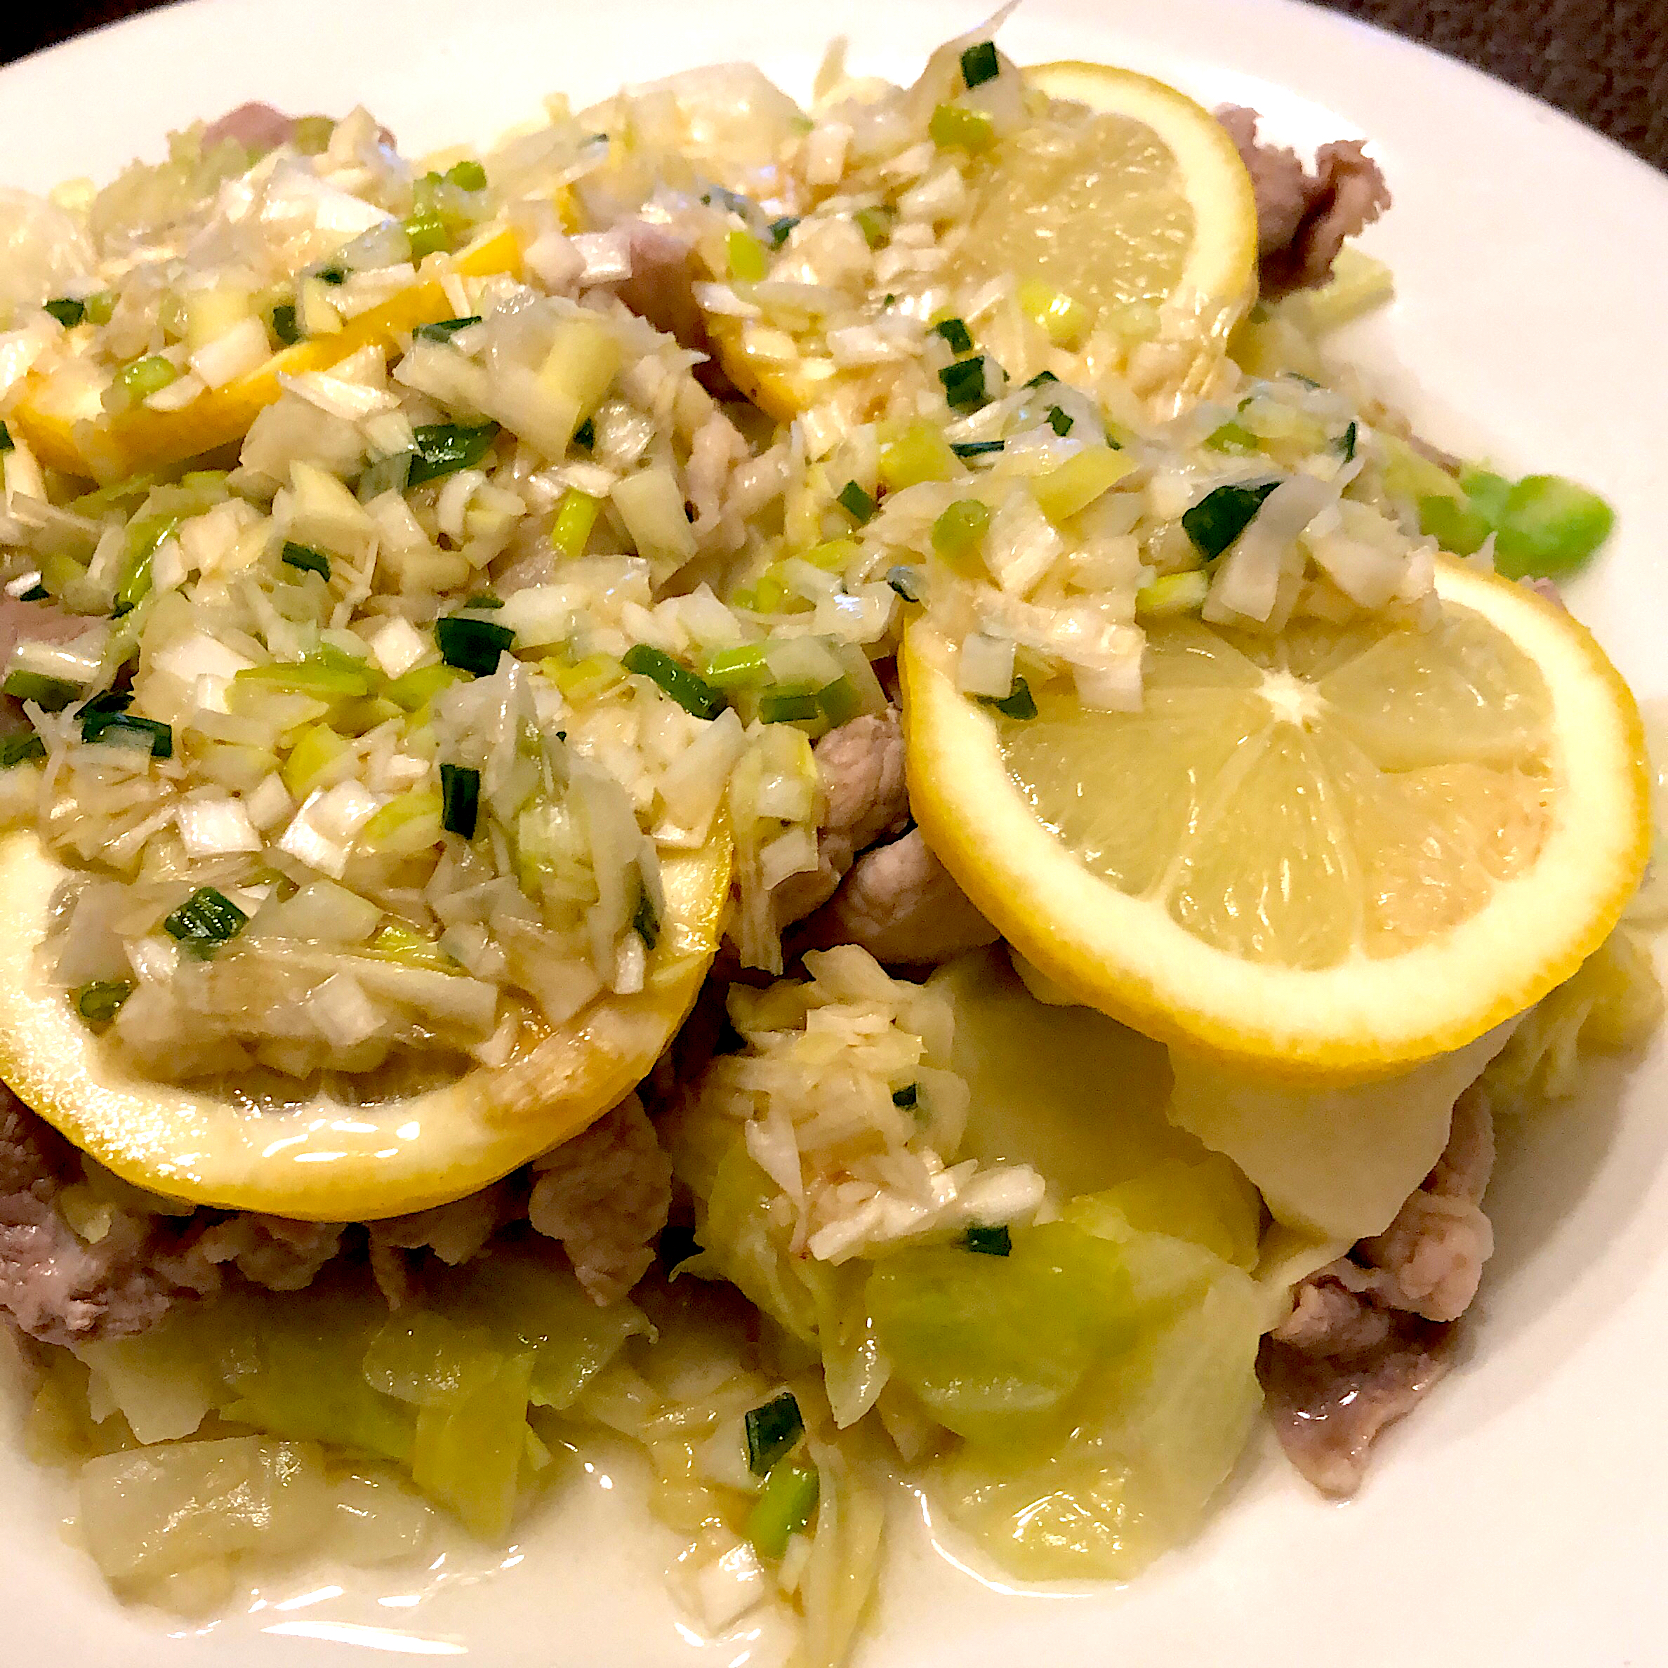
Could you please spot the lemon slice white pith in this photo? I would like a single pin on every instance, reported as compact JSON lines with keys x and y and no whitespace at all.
{"x":326,"y":1161}
{"x":1334,"y":853}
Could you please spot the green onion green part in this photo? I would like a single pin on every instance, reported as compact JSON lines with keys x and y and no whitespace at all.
{"x":67,"y":311}
{"x":35,"y":593}
{"x":54,"y":694}
{"x":788,"y":707}
{"x":978,"y":64}
{"x":585,"y":436}
{"x":1346,"y":441}
{"x":1040,"y":378}
{"x":6,"y":441}
{"x":772,"y":1431}
{"x":779,"y":229}
{"x":1221,"y":516}
{"x":100,"y":1000}
{"x":16,"y":750}
{"x":956,"y":334}
{"x":961,"y":528}
{"x":907,"y":1096}
{"x":386,"y":474}
{"x":305,"y":557}
{"x":988,"y":1242}
{"x":783,"y":1508}
{"x":645,"y":919}
{"x":964,"y":384}
{"x":444,"y":448}
{"x":1060,"y":421}
{"x":976,"y":448}
{"x":857,"y":503}
{"x":205,"y":921}
{"x":128,"y":729}
{"x":443,"y":330}
{"x":460,"y":799}
{"x":691,"y":691}
{"x":906,"y":582}
{"x":1019,"y":702}
{"x":285,"y":325}
{"x":472,"y":645}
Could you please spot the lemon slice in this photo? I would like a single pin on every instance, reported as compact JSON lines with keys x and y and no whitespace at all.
{"x":1138,"y":204}
{"x":108,"y":447}
{"x":1332,"y":853}
{"x":326,"y":1160}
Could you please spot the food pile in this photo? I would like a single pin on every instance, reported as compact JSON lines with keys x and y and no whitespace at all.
{"x":804,"y":787}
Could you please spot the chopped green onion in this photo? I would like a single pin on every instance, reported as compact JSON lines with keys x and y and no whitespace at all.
{"x":1019,"y":702}
{"x":305,"y":557}
{"x":54,"y":694}
{"x":748,"y":259}
{"x":857,"y":503}
{"x":964,"y":384}
{"x":6,"y":441}
{"x":906,"y":582}
{"x":979,"y":65}
{"x":101,"y":306}
{"x":1172,"y":593}
{"x":467,"y":175}
{"x":1346,"y":441}
{"x":976,"y":448}
{"x":16,"y":750}
{"x":988,"y":1242}
{"x":733,"y":201}
{"x":691,"y":691}
{"x":484,"y":599}
{"x":102,"y":705}
{"x":443,"y":330}
{"x":743,"y":667}
{"x":839,"y":701}
{"x":1457,"y":525}
{"x":100,"y":1000}
{"x":1231,"y":437}
{"x":772,"y":1430}
{"x":956,"y":333}
{"x":128,"y":729}
{"x":779,"y":229}
{"x":570,"y":527}
{"x":443,"y":448}
{"x":585,"y":436}
{"x":960,"y":529}
{"x":145,"y":377}
{"x":205,"y":921}
{"x":66,"y":310}
{"x":788,"y":707}
{"x":1549,"y":526}
{"x":285,"y":326}
{"x":472,"y":645}
{"x":460,"y":799}
{"x":676,"y":1245}
{"x":645,"y":918}
{"x":414,"y":690}
{"x":333,"y":274}
{"x":783,"y":1508}
{"x":35,"y":593}
{"x":1060,"y":421}
{"x":875,"y":223}
{"x":1221,"y":516}
{"x":953,"y":126}
{"x":1040,"y":378}
{"x":427,"y":234}
{"x":909,"y":1095}
{"x":385,"y":474}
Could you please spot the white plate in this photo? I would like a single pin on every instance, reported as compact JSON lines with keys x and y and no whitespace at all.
{"x":1520,"y":1517}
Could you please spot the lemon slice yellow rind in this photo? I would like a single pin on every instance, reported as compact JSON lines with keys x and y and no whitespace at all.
{"x":326,"y":1161}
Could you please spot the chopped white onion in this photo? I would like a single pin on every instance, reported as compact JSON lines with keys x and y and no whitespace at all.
{"x":215,"y":827}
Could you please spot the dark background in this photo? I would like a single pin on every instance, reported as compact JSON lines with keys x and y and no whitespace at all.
{"x":1604,"y":61}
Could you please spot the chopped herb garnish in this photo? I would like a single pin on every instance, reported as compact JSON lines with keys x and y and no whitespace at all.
{"x":305,"y":557}
{"x":331,"y":275}
{"x":964,"y":384}
{"x":484,"y":599}
{"x":1019,"y":702}
{"x":6,"y":441}
{"x":907,"y":1096}
{"x":906,"y":582}
{"x":1346,"y":441}
{"x":956,"y":333}
{"x":960,"y":529}
{"x":444,"y":448}
{"x":888,"y":300}
{"x":1221,"y":516}
{"x":145,"y":377}
{"x":460,"y":799}
{"x":35,"y":593}
{"x":691,"y":691}
{"x":779,"y":229}
{"x":128,"y":729}
{"x":772,"y":1430}
{"x":976,"y":448}
{"x":1058,"y":420}
{"x":284,"y":324}
{"x":645,"y":919}
{"x":988,"y":1242}
{"x":443,"y":330}
{"x":100,"y":1000}
{"x":788,"y":707}
{"x":676,"y":1245}
{"x":1040,"y":378}
{"x":783,"y":1507}
{"x":979,"y":65}
{"x":857,"y":503}
{"x":54,"y":694}
{"x":16,"y":750}
{"x":467,"y":175}
{"x":67,"y":311}
{"x":875,"y":223}
{"x":386,"y":474}
{"x":585,"y":436}
{"x":472,"y":645}
{"x":205,"y":921}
